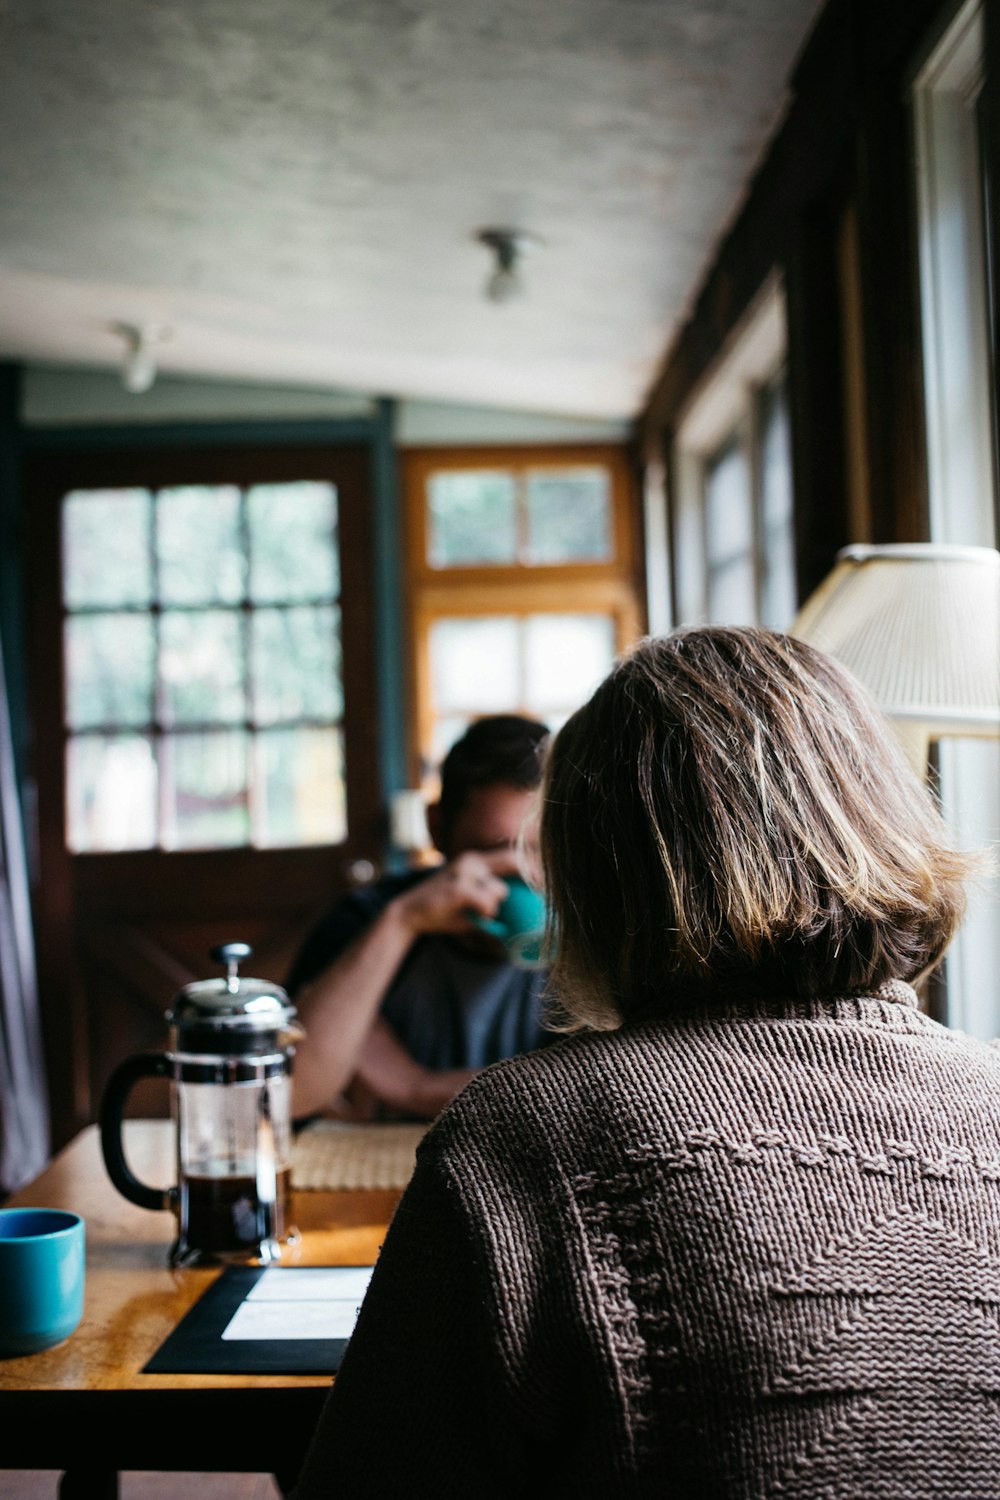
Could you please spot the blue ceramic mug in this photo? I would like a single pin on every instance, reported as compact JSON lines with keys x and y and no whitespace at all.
{"x":519,"y":923}
{"x":41,"y":1278}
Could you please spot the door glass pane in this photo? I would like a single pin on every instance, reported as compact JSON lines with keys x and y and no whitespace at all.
{"x":202,"y":608}
{"x":300,"y":791}
{"x":568,"y":516}
{"x":295,"y":655}
{"x":293,"y":541}
{"x":201,"y":667}
{"x":475,"y":665}
{"x":110,"y":793}
{"x":199,"y":550}
{"x":471,"y":518}
{"x":109,"y":670}
{"x":106,"y":544}
{"x":565,"y":658}
{"x":205,"y":800}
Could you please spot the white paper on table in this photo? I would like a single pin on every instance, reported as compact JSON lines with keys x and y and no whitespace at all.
{"x":321,"y":1303}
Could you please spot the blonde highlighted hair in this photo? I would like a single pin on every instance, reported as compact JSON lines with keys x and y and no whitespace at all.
{"x":731,"y":815}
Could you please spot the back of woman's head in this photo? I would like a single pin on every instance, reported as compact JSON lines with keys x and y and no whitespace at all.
{"x":730,"y":815}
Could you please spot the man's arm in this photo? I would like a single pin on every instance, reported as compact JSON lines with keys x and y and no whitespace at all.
{"x":388,"y":1072}
{"x":337,"y":1009}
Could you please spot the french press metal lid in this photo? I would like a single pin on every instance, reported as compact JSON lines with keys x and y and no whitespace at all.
{"x":233,"y":1015}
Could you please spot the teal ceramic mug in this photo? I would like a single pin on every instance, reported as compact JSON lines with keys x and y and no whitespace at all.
{"x":519,"y":923}
{"x":41,"y":1278}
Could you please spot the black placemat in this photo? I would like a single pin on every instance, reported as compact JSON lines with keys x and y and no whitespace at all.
{"x":196,"y":1345}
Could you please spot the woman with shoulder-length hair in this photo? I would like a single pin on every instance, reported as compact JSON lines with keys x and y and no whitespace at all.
{"x":739,"y":1234}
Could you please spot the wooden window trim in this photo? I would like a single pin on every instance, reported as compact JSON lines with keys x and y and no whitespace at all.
{"x":420,"y":463}
{"x":613,"y":586}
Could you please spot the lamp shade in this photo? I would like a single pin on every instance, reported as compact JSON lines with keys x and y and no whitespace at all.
{"x":919,"y":625}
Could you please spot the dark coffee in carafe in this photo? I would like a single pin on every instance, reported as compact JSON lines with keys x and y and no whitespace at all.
{"x":227,"y":1216}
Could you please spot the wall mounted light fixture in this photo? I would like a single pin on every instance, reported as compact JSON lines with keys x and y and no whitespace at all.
{"x":509,"y":246}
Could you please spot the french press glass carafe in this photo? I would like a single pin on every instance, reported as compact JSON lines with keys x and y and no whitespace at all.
{"x":230,"y":1066}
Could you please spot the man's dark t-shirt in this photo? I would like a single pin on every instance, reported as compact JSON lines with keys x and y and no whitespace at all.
{"x":450,"y":1007}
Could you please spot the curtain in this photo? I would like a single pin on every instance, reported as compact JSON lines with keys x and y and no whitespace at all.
{"x":24,"y":1105}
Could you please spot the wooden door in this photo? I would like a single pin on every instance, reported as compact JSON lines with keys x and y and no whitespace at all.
{"x":119,"y":930}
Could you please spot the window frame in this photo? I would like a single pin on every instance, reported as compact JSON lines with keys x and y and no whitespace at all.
{"x":962,"y":459}
{"x":611,"y":586}
{"x":725,"y":411}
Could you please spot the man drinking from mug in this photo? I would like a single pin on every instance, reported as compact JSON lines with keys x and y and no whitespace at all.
{"x":402,"y":995}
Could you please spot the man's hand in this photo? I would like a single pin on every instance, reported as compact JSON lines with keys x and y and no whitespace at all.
{"x":446,"y":901}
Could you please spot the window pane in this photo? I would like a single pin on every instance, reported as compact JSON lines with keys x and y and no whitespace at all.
{"x":295,"y":657}
{"x":565,"y":657}
{"x":198,"y":545}
{"x":728,"y":523}
{"x":778,"y":593}
{"x":731,"y":585}
{"x":776,"y":458}
{"x":109,"y":670}
{"x":205,"y":802}
{"x":293,"y":541}
{"x":471,"y":518}
{"x":300,"y":796}
{"x":110,"y":793}
{"x":201,"y":667}
{"x":107,"y":555}
{"x":569,"y":516}
{"x":474,"y":665}
{"x":731,"y":599}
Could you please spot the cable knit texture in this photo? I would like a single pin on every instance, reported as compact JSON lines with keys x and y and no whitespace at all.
{"x":748,"y":1254}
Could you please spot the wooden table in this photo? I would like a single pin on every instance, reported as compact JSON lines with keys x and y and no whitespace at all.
{"x":85,"y":1407}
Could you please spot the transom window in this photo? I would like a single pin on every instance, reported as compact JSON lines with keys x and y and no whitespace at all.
{"x":203,"y":685}
{"x":533,"y":517}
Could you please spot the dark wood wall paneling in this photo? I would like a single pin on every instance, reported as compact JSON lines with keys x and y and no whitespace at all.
{"x":846,"y":137}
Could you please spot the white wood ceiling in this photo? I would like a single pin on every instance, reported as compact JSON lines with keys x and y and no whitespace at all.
{"x":292,"y":187}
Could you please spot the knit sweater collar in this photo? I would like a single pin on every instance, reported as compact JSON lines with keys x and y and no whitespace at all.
{"x":892,"y":1003}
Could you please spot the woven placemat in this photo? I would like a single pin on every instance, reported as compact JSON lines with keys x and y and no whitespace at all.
{"x":333,"y":1154}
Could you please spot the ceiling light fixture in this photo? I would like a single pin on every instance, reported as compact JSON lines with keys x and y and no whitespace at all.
{"x":509,"y":246}
{"x":139,"y":364}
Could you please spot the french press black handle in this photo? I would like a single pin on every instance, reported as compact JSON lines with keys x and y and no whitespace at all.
{"x":117,"y":1089}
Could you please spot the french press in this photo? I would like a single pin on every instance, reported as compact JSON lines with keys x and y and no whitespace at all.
{"x":230,"y":1068}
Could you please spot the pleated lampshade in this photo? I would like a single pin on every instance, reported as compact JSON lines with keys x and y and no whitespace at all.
{"x":919,"y":625}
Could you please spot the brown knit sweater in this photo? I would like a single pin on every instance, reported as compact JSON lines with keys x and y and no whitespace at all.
{"x":755,"y":1253}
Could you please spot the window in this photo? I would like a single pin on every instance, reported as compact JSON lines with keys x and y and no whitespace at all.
{"x":959,"y":391}
{"x":522,"y":584}
{"x":733,"y":533}
{"x":730,"y":574}
{"x":482,"y":517}
{"x":202,"y":663}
